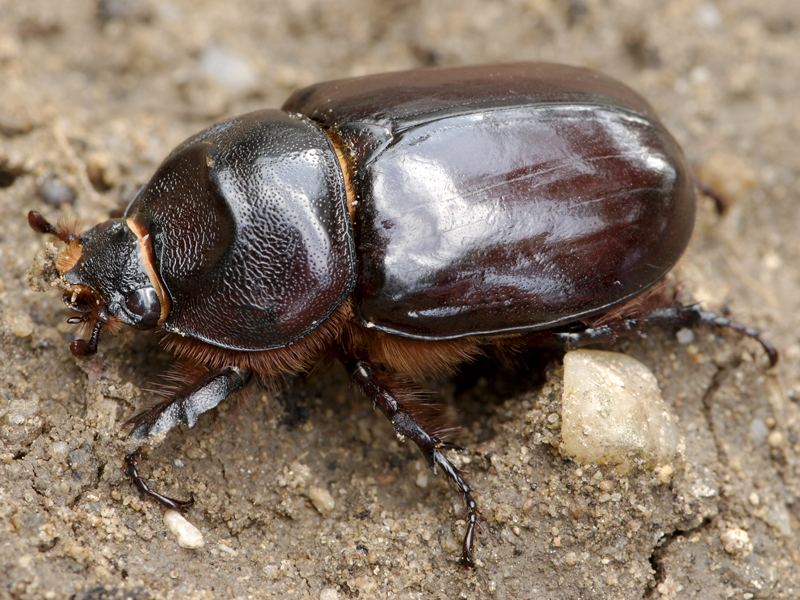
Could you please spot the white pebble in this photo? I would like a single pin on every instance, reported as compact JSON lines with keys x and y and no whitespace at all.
{"x":19,"y":323}
{"x":708,"y":17}
{"x":665,"y":473}
{"x":321,"y":499}
{"x":685,"y":336}
{"x":736,"y":542}
{"x":228,"y":68}
{"x":226,"y":549}
{"x":187,"y":535}
{"x":329,"y":594}
{"x":758,"y":432}
{"x":613,"y":413}
{"x":775,"y":439}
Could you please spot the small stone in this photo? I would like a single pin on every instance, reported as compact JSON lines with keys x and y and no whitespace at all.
{"x":758,"y":432}
{"x":271,"y":572}
{"x":775,"y":439}
{"x":187,"y":535}
{"x":19,"y":323}
{"x":778,"y":517}
{"x":606,"y":485}
{"x":77,"y":552}
{"x":528,"y":505}
{"x":321,"y":499}
{"x":296,"y":477}
{"x":367,"y":585}
{"x":613,"y":413}
{"x":708,"y":17}
{"x":59,"y":450}
{"x":226,"y":549}
{"x":20,"y":411}
{"x":329,"y":594}
{"x":386,"y":478}
{"x":55,"y":193}
{"x":665,"y":473}
{"x":736,"y":542}
{"x":685,"y":336}
{"x":578,"y":508}
{"x":571,"y":558}
{"x":124,"y":10}
{"x":228,"y":68}
{"x":503,"y":513}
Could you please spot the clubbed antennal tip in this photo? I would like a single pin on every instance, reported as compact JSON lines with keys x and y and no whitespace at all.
{"x":41,"y":225}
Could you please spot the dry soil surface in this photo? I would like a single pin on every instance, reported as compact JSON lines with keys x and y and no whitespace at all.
{"x":94,"y":93}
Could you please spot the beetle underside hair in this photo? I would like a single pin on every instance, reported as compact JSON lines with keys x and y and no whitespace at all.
{"x":269,"y":364}
{"x":417,"y":359}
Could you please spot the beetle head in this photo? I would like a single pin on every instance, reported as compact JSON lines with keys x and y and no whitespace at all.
{"x":108,"y":276}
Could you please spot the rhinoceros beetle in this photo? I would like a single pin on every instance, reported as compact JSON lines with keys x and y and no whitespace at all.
{"x":403,"y":222}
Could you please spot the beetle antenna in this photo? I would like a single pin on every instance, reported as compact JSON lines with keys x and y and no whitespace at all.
{"x":40,"y":224}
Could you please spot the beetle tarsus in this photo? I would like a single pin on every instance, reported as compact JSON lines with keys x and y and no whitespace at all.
{"x":132,"y":462}
{"x":401,"y":414}
{"x":720,"y":201}
{"x":716,"y":320}
{"x":473,"y":512}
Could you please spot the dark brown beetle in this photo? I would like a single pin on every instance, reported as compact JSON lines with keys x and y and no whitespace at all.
{"x":405,"y":222}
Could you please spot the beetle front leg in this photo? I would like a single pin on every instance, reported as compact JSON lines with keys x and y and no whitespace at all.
{"x":407,"y":424}
{"x":184,"y":407}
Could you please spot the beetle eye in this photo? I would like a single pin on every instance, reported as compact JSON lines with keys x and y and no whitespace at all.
{"x":144,"y":303}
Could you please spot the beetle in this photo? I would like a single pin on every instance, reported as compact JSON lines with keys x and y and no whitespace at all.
{"x":403,"y":222}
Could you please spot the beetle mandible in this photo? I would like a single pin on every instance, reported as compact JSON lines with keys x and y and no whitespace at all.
{"x":404,"y":222}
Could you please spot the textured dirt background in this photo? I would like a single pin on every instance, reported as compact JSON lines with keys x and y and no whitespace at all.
{"x":94,"y":94}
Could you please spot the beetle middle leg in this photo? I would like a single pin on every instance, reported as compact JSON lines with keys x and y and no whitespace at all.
{"x":408,"y":419}
{"x":184,"y":407}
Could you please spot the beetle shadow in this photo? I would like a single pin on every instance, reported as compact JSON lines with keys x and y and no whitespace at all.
{"x":482,"y":387}
{"x":293,"y":395}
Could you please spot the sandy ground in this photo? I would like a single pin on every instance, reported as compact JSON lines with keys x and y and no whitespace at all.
{"x":93,"y":94}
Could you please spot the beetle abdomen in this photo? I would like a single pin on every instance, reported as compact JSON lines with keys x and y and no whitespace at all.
{"x":508,"y":212}
{"x":251,"y":232}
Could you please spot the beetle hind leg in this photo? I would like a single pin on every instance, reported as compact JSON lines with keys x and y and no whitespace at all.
{"x":673,"y":316}
{"x":184,"y":407}
{"x":418,"y":422}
